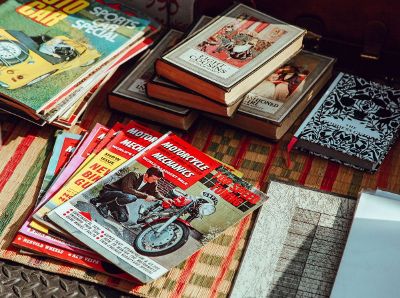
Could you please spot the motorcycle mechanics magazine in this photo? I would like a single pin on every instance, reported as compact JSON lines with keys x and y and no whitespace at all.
{"x":157,"y":209}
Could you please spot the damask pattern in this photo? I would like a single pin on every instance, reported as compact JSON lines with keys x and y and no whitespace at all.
{"x":358,"y":117}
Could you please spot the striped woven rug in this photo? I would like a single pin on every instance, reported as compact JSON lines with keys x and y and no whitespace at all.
{"x":210,"y":272}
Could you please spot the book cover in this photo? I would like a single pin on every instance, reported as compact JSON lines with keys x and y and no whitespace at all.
{"x":355,"y":123}
{"x":179,"y":199}
{"x":233,"y":46}
{"x":281,"y":91}
{"x":49,"y":45}
{"x":134,"y":85}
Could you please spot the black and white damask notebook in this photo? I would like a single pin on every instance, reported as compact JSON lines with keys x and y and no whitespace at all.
{"x":355,"y":123}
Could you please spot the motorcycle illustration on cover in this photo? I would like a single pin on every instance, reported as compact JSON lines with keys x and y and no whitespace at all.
{"x":163,"y":228}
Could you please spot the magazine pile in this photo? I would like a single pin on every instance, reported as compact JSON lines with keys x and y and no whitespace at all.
{"x":55,"y":55}
{"x":132,"y":203}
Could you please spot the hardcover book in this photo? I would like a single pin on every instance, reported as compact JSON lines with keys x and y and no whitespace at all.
{"x":271,"y":107}
{"x":232,"y":54}
{"x":181,"y":199}
{"x":165,"y":90}
{"x":130,"y":95}
{"x":50,"y":46}
{"x":355,"y":123}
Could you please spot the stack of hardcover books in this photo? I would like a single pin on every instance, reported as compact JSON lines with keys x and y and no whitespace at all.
{"x":55,"y":55}
{"x":132,"y":203}
{"x":244,"y":68}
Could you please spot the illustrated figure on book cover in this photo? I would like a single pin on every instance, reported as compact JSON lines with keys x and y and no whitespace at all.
{"x":282,"y":83}
{"x":240,"y":41}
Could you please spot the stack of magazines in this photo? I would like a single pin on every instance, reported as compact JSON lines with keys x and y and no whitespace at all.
{"x":131,"y":202}
{"x":55,"y":55}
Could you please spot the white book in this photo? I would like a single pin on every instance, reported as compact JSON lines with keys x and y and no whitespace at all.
{"x":370,"y":266}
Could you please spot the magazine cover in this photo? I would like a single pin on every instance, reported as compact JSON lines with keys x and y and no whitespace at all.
{"x":279,"y":92}
{"x":158,"y":209}
{"x":233,"y":46}
{"x":82,"y":152}
{"x":48,"y":45}
{"x":133,"y":139}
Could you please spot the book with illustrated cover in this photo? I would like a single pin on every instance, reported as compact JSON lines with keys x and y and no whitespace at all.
{"x":179,"y":199}
{"x":50,"y":46}
{"x":165,"y":90}
{"x":271,"y":107}
{"x":130,"y":95}
{"x":231,"y":55}
{"x":355,"y":123}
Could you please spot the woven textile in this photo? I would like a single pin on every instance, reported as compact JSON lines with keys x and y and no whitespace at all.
{"x":210,"y":272}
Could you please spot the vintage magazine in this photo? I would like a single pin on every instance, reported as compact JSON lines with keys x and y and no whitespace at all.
{"x":157,"y":209}
{"x":82,"y":152}
{"x":50,"y":45}
{"x":66,"y":99}
{"x":233,"y":46}
{"x":92,"y":262}
{"x":133,"y":139}
{"x":64,"y":147}
{"x":40,"y":232}
{"x":282,"y":90}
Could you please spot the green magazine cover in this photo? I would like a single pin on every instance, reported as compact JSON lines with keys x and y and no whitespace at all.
{"x":47,"y":46}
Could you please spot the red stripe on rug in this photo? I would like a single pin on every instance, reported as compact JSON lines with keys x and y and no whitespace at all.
{"x":189,"y":135}
{"x":19,"y":153}
{"x":188,"y":268}
{"x":184,"y":275}
{"x":306,"y":170}
{"x":228,"y":260}
{"x":208,"y":140}
{"x":384,"y":171}
{"x":242,"y":224}
{"x":330,"y":175}
{"x":243,"y":146}
{"x":268,"y":164}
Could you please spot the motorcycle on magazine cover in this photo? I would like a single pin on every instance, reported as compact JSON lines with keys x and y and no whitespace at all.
{"x":162,"y":230}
